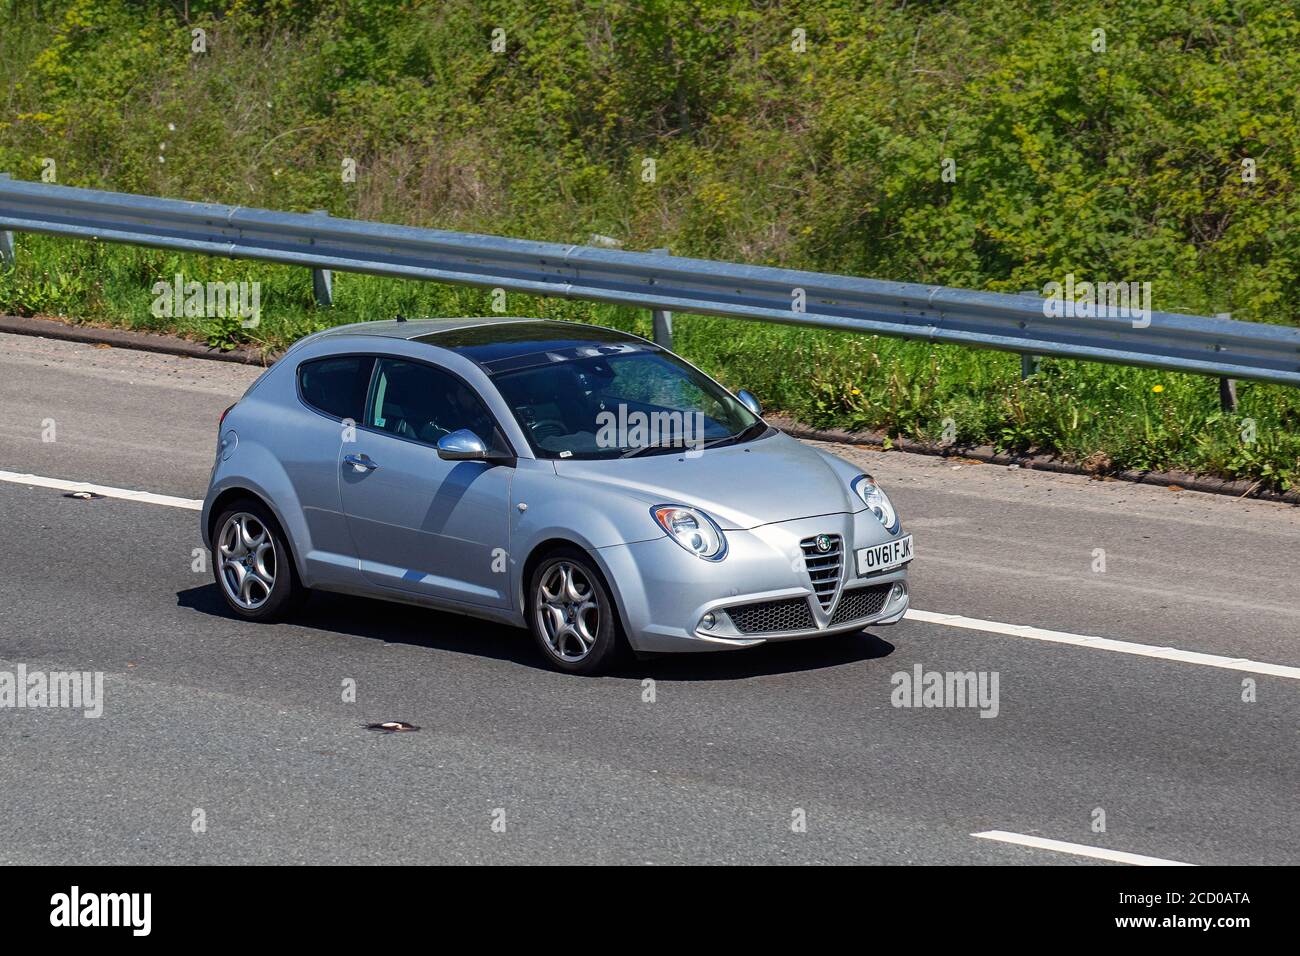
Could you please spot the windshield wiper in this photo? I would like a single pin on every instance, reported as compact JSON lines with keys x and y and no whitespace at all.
{"x":714,"y":443}
{"x":739,"y":436}
{"x":633,"y":452}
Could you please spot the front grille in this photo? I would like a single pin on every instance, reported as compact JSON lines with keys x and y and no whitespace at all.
{"x":791,"y":614}
{"x":823,"y":567}
{"x":861,"y":603}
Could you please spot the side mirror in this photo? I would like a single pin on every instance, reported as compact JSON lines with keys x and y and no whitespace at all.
{"x":749,"y":401}
{"x":462,"y":445}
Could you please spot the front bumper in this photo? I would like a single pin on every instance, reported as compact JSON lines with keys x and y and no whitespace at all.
{"x":772,"y":586}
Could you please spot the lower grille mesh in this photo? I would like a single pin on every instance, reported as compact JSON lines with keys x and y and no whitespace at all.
{"x":792,"y":614}
{"x":860,"y":603}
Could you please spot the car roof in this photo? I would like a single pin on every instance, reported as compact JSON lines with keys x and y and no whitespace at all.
{"x":501,"y":343}
{"x":415,"y":328}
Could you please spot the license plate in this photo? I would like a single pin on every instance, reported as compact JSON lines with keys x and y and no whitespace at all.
{"x":884,"y":557}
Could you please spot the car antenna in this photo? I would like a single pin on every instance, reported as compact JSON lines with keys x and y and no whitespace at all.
{"x":401,"y":318}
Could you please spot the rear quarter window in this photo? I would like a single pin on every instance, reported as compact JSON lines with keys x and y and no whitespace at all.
{"x":337,"y":385}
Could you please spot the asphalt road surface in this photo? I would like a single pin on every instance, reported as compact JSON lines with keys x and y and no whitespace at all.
{"x":792,"y":753}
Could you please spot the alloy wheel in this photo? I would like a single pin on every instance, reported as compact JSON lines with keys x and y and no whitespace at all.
{"x":246,"y":551}
{"x":568,"y":610}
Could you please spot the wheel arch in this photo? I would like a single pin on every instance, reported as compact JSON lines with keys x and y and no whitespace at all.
{"x":548,"y":546}
{"x":233,"y":493}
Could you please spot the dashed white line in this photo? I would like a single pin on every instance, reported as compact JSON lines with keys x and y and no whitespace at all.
{"x":1107,"y":644}
{"x":60,"y":484}
{"x":926,"y":617}
{"x":1077,"y":849}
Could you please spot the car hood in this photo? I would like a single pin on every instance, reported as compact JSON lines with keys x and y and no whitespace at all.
{"x":742,"y":486}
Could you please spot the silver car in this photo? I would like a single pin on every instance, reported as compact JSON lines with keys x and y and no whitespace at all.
{"x":576,"y":480}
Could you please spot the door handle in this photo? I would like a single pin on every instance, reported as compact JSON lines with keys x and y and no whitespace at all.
{"x":360,"y":462}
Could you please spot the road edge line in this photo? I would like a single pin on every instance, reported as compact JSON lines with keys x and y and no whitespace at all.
{"x":1106,"y":644}
{"x":126,"y":494}
{"x":1076,"y":849}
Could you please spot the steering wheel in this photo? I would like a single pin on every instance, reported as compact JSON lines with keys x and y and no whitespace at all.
{"x":545,"y":428}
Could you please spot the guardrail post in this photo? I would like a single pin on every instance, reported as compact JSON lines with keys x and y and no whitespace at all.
{"x":1227,"y":386}
{"x":1228,"y":394}
{"x":662,"y":319}
{"x":7,"y":255}
{"x":322,"y":280}
{"x":1029,"y":364}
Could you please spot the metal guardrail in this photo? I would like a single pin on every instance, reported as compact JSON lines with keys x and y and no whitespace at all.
{"x":663,"y":283}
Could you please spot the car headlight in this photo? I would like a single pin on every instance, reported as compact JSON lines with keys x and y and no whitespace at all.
{"x":693,"y":530}
{"x":874,"y":497}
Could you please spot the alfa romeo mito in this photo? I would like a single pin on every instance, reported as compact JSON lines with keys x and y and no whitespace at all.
{"x":579,"y":481}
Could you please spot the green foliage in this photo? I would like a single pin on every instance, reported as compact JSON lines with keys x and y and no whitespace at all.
{"x":58,"y":291}
{"x":1117,"y":165}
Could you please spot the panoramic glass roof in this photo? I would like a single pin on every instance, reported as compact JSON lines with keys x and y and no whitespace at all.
{"x":520,"y":344}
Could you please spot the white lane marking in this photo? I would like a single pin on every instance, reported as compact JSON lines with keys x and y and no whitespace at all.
{"x":927,"y":617}
{"x":1078,"y":849}
{"x":59,"y":484}
{"x":1107,"y":644}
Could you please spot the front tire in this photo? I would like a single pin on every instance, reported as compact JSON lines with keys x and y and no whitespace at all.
{"x":572,"y":615}
{"x":252,"y":563}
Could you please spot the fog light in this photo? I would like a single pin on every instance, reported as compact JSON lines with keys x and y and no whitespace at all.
{"x":897,"y":592}
{"x":708,"y":621}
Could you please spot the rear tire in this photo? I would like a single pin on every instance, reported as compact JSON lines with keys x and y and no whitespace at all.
{"x":252,"y":563}
{"x":572,"y":614}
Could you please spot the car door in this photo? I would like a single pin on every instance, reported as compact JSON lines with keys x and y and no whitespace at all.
{"x":306,"y":440}
{"x":420,"y":524}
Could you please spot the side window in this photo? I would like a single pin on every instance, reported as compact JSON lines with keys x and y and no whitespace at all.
{"x":336,"y":386}
{"x":422,"y":403}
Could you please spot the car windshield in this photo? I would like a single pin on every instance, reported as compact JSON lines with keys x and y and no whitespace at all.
{"x":619,"y":405}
